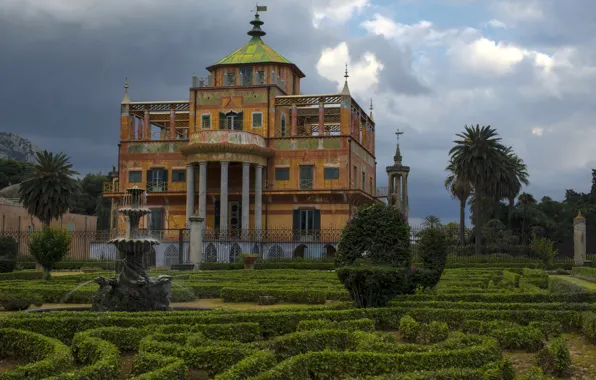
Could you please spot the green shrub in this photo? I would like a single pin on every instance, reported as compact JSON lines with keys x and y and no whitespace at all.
{"x":549,"y":329}
{"x":363,"y":324}
{"x":536,"y":277}
{"x":432,"y":247}
{"x":302,"y":342}
{"x":511,"y":278}
{"x":533,"y":373}
{"x":19,"y":300}
{"x":378,"y":233}
{"x":374,"y":286}
{"x":519,"y":337}
{"x":148,"y":366}
{"x":545,"y":250}
{"x":409,"y":328}
{"x":555,"y":358}
{"x":559,"y":285}
{"x":21,"y":275}
{"x":588,"y":326}
{"x":49,"y":246}
{"x":98,"y":359}
{"x":8,"y":254}
{"x":433,"y":332}
{"x":48,"y":356}
{"x":250,"y":366}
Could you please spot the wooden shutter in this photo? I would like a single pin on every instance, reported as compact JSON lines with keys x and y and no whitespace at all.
{"x":316,"y":220}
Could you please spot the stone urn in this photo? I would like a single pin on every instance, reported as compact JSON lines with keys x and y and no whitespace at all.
{"x":249,"y":261}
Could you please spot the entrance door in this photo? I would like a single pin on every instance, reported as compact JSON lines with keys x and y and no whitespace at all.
{"x":306,"y":177}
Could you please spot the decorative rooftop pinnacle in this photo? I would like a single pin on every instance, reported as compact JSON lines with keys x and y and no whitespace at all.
{"x":256,"y":31}
{"x":371,"y":109}
{"x":346,"y":89}
{"x":397,"y":158}
{"x":126,"y":99}
{"x":579,"y":215}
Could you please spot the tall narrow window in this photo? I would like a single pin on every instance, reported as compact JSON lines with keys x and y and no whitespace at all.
{"x":363,"y":184}
{"x":355,"y":177}
{"x":257,"y":119}
{"x":231,"y":121}
{"x":205,"y":121}
{"x":371,"y":185}
{"x":260,"y":77}
{"x":306,"y":177}
{"x":283,"y":130}
{"x":306,"y":221}
{"x":246,"y":73}
{"x":230,"y":78}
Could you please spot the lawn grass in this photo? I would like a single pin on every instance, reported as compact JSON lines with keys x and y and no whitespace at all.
{"x":589,"y":286}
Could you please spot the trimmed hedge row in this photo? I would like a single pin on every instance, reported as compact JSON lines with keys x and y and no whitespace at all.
{"x":559,"y":285}
{"x":147,"y":366}
{"x":585,"y":273}
{"x":312,"y":265}
{"x":507,"y":297}
{"x":502,"y":370}
{"x":297,"y":295}
{"x":588,"y":327}
{"x":21,"y":275}
{"x":64,"y":325}
{"x":363,"y":324}
{"x":100,"y":359}
{"x":48,"y":356}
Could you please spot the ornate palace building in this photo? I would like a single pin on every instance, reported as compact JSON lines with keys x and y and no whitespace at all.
{"x":248,"y":151}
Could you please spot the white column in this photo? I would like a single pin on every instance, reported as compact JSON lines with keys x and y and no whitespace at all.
{"x":190,"y":193}
{"x":223,"y":197}
{"x":196,"y":241}
{"x":245,"y":197}
{"x":203,"y":190}
{"x":258,"y":197}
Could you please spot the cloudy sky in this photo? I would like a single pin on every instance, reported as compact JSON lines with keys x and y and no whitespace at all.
{"x":523,"y":66}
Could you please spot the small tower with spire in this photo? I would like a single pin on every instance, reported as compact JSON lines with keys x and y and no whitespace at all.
{"x":398,"y":179}
{"x":346,"y":89}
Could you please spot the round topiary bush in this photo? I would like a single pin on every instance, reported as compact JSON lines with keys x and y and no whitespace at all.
{"x":8,"y":254}
{"x":432,"y":247}
{"x":49,"y":246}
{"x":378,"y":234}
{"x":373,"y":256}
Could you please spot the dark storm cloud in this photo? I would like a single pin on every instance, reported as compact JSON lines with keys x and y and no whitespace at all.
{"x":397,"y":75}
{"x":62,"y":81}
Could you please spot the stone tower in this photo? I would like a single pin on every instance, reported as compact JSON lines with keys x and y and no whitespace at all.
{"x":398,"y":181}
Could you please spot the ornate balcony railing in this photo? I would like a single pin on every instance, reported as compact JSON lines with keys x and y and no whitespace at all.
{"x":157,"y":187}
{"x":110,"y":187}
{"x":306,"y":184}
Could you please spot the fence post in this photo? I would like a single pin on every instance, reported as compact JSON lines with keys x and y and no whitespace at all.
{"x":196,"y":241}
{"x":579,"y":239}
{"x":180,"y":246}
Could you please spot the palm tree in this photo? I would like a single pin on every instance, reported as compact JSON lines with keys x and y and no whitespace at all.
{"x":460,"y":190}
{"x":518,"y":177}
{"x":50,"y":191}
{"x":431,"y":221}
{"x":478,"y":158}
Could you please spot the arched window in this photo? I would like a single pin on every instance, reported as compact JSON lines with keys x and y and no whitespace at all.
{"x":300,"y":251}
{"x":283,"y":126}
{"x":235,"y":253}
{"x":171,"y":255}
{"x":275,"y":253}
{"x":330,"y":252}
{"x":211,"y":254}
{"x":255,"y":249}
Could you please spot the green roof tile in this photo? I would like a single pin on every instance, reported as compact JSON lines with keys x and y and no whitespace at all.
{"x":255,"y":51}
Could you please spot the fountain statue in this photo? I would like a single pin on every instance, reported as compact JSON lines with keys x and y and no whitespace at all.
{"x":132,"y":289}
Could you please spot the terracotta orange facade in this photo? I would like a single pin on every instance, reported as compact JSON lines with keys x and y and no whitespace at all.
{"x":247,"y":150}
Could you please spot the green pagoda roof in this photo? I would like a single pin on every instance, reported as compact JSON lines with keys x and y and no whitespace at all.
{"x":255,"y":51}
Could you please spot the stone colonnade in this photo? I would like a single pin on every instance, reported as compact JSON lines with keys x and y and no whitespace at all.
{"x":223,"y":210}
{"x":398,"y":190}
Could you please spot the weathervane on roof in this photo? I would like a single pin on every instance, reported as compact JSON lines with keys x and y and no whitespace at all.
{"x":398,"y":133}
{"x":259,"y":8}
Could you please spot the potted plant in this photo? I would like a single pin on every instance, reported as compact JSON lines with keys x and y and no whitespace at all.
{"x":249,"y":260}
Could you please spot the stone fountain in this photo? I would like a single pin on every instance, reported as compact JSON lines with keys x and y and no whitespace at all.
{"x":132,"y":289}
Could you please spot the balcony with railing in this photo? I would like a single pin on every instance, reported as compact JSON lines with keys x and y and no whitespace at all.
{"x":157,"y":187}
{"x":238,"y":142}
{"x":110,"y":187}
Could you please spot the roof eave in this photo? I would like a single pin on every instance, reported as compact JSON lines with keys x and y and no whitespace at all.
{"x":300,"y":73}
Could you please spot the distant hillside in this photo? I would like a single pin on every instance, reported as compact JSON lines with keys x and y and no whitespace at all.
{"x":17,"y":148}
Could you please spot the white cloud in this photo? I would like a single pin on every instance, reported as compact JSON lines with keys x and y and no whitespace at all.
{"x":337,"y":10}
{"x":496,"y":24}
{"x":519,"y":10}
{"x":538,"y":131}
{"x":364,"y":73}
{"x":487,"y":56}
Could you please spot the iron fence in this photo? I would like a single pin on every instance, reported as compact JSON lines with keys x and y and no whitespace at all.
{"x":226,"y":245}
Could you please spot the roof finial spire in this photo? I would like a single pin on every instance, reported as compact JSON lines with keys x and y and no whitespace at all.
{"x":126,"y":98}
{"x":256,"y":31}
{"x":397,"y":158}
{"x":371,"y":109}
{"x":346,"y":90}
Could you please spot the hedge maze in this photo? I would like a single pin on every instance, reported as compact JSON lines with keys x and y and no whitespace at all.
{"x":460,"y":330}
